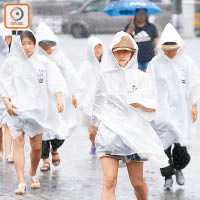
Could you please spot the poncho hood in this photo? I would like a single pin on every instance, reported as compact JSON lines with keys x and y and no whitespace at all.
{"x":44,"y":32}
{"x":133,"y":61}
{"x":17,"y":50}
{"x":170,"y":34}
{"x":92,"y":42}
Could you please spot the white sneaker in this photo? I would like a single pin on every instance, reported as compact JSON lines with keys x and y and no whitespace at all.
{"x":180,"y":177}
{"x":168,"y":183}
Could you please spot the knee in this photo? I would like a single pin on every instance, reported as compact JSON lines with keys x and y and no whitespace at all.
{"x":138,"y":184}
{"x":110,"y":183}
{"x":18,"y":143}
{"x":37,"y":147}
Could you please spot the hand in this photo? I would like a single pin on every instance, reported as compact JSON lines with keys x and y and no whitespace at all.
{"x":131,"y":28}
{"x":59,"y":105}
{"x":9,"y":108}
{"x":194,"y":113}
{"x":93,"y":132}
{"x":74,"y":101}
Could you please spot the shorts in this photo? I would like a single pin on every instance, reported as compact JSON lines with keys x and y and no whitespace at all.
{"x":127,"y":158}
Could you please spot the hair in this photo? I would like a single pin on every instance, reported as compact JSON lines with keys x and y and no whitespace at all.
{"x":28,"y":34}
{"x":140,"y":10}
{"x":47,"y":43}
{"x":169,"y":43}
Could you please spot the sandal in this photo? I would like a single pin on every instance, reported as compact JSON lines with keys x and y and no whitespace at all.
{"x":45,"y":166}
{"x":35,"y":184}
{"x":21,"y":189}
{"x":9,"y":159}
{"x":54,"y":161}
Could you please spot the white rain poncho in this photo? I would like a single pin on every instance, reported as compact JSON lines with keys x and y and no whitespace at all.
{"x":30,"y":84}
{"x":88,"y":72}
{"x":3,"y":54}
{"x":122,"y":129}
{"x":178,"y":88}
{"x":4,"y":31}
{"x":70,"y":75}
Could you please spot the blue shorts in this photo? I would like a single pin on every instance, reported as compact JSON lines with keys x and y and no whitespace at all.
{"x":142,"y":65}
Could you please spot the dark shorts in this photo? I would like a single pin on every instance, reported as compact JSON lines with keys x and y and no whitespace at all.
{"x":127,"y":158}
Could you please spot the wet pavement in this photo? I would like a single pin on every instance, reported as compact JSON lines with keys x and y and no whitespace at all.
{"x":79,"y":176}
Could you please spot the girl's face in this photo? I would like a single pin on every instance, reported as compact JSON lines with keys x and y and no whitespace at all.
{"x":123,"y":57}
{"x":47,"y":48}
{"x":28,"y":46}
{"x":98,"y":50}
{"x":8,"y":39}
{"x":170,"y":53}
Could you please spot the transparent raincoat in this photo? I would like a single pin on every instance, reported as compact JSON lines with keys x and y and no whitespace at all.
{"x":178,"y":88}
{"x":30,"y":84}
{"x":69,"y":116}
{"x":123,"y":129}
{"x":88,"y":72}
{"x":3,"y":55}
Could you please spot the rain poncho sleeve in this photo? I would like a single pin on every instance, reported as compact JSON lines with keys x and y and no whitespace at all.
{"x":56,"y":82}
{"x":145,"y":95}
{"x":193,"y":82}
{"x":99,"y":99}
{"x":6,"y":79}
{"x":70,"y":75}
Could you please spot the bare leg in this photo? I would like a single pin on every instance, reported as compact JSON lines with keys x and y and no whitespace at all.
{"x":110,"y":171}
{"x":8,"y":141}
{"x":135,"y":171}
{"x":1,"y":141}
{"x":92,"y":139}
{"x":19,"y":159}
{"x":35,"y":154}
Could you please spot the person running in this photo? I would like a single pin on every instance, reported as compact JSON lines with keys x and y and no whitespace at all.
{"x":49,"y":46}
{"x":96,"y":58}
{"x":177,"y":82}
{"x":5,"y":47}
{"x":32,"y":93}
{"x":146,"y":37}
{"x":123,"y":106}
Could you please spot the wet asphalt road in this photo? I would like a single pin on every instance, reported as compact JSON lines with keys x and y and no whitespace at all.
{"x":79,"y":176}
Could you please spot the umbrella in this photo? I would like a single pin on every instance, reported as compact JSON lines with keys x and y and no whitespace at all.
{"x":129,"y":7}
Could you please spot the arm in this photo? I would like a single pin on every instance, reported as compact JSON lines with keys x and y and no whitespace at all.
{"x":194,"y":113}
{"x":59,"y":102}
{"x":97,"y":104}
{"x":137,"y":105}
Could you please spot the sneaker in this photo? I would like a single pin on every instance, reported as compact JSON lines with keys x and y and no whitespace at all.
{"x":180,"y":177}
{"x":168,"y":183}
{"x":93,"y":150}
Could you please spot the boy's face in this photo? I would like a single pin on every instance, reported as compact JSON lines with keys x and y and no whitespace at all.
{"x":47,"y":48}
{"x":123,"y":57}
{"x":170,"y":53}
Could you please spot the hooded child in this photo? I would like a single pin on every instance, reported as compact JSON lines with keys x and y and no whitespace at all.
{"x":123,"y":107}
{"x":176,"y":79}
